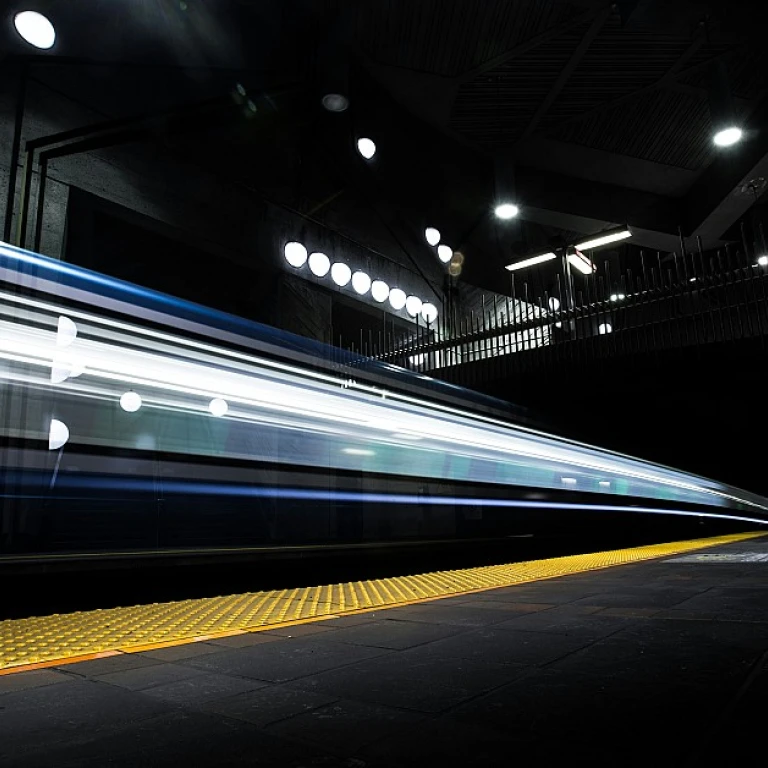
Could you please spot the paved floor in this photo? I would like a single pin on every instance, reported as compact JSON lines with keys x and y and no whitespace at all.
{"x":659,"y":662}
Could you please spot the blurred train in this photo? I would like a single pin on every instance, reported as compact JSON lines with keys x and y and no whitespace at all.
{"x":137,"y":422}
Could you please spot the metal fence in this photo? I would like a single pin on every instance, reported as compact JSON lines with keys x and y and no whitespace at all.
{"x":670,"y":302}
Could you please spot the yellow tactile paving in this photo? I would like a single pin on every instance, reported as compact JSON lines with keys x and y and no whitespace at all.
{"x":47,"y":640}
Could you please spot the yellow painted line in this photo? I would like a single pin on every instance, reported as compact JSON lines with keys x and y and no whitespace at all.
{"x":65,"y":638}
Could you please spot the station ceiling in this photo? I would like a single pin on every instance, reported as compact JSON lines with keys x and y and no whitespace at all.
{"x":589,"y":114}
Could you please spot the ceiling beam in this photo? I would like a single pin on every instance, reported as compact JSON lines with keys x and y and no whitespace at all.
{"x":565,"y":73}
{"x":525,"y":47}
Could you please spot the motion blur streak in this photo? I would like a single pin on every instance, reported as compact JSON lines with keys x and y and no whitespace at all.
{"x":282,"y":414}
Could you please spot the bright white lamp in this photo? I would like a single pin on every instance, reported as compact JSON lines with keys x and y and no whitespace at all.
{"x":444,"y":253}
{"x":413,"y":305}
{"x":66,"y":331}
{"x":361,"y":283}
{"x":35,"y":29}
{"x":218,"y":406}
{"x":397,"y":298}
{"x":341,"y":274}
{"x":366,"y":148}
{"x":763,"y":261}
{"x":432,"y":235}
{"x":130,"y":401}
{"x":429,"y":312}
{"x":604,"y":328}
{"x":379,"y":291}
{"x":58,"y":434}
{"x":728,"y":136}
{"x":319,"y":264}
{"x":506,"y":211}
{"x":295,"y":254}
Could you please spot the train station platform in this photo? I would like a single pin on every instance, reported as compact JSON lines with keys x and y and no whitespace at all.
{"x":649,"y":655}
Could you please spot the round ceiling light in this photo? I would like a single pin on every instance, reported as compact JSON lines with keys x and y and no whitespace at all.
{"x":554,"y":303}
{"x":335,"y":102}
{"x":366,"y":148}
{"x":397,"y":298}
{"x":429,"y":313}
{"x":506,"y":211}
{"x":379,"y":291}
{"x":295,"y":254}
{"x":319,"y":264}
{"x":218,"y":406}
{"x":444,"y":253}
{"x":361,"y":283}
{"x":341,"y":274}
{"x":130,"y":401}
{"x":728,"y":136}
{"x":413,"y":305}
{"x":35,"y":29}
{"x":763,"y":261}
{"x":432,"y":235}
{"x":604,"y":328}
{"x":58,"y":434}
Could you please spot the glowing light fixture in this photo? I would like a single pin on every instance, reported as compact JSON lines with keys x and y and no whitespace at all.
{"x":341,"y":274}
{"x":604,"y":483}
{"x":727,"y":137}
{"x":358,"y":451}
{"x":582,"y":263}
{"x":366,"y":148}
{"x":429,"y":313}
{"x":35,"y":29}
{"x":604,"y":239}
{"x":413,"y":305}
{"x":58,"y":434}
{"x":444,"y":253}
{"x":130,"y":401}
{"x":295,"y":254}
{"x":540,"y":259}
{"x":218,"y":406}
{"x":335,"y":102}
{"x":604,"y":328}
{"x":432,"y":235}
{"x":361,"y":283}
{"x":763,"y":261}
{"x":319,"y":264}
{"x":506,"y":211}
{"x":66,"y":332}
{"x":568,"y":480}
{"x":397,"y":298}
{"x":554,"y":304}
{"x":379,"y":291}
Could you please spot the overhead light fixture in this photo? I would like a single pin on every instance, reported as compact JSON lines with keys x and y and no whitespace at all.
{"x":763,"y":261}
{"x":604,"y":239}
{"x":130,"y":401}
{"x":582,"y":263}
{"x":413,"y":305}
{"x":429,"y":313}
{"x":604,"y":328}
{"x":366,"y":148}
{"x":319,"y":264}
{"x":358,"y":451}
{"x":341,"y":274}
{"x":58,"y":434}
{"x":432,"y":235}
{"x":35,"y":29}
{"x":506,"y":211}
{"x":379,"y":291}
{"x":335,"y":102}
{"x":361,"y":283}
{"x":397,"y":298}
{"x":727,"y":137}
{"x":533,"y":260}
{"x":295,"y":254}
{"x":554,"y":304}
{"x":66,"y":331}
{"x":444,"y":253}
{"x":218,"y":406}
